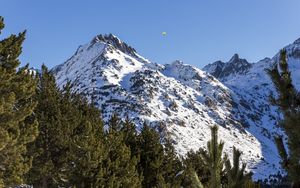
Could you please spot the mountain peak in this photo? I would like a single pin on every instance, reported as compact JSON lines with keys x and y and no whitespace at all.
{"x":234,"y":58}
{"x":235,"y":65}
{"x":177,"y":62}
{"x":115,"y":42}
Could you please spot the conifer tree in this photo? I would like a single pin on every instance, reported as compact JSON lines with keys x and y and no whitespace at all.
{"x":195,"y":180}
{"x":87,"y":150}
{"x":18,"y":126}
{"x":171,"y":166}
{"x":289,"y":103}
{"x":236,"y":176}
{"x":194,"y":163}
{"x":70,"y":150}
{"x":48,"y":149}
{"x":213,"y":158}
{"x":152,"y":157}
{"x":120,"y":169}
{"x":131,"y":138}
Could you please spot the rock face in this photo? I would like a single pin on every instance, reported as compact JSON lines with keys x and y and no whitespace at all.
{"x":234,"y":66}
{"x":182,"y":101}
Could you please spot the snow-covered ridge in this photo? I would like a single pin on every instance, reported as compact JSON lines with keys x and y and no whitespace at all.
{"x":182,"y":101}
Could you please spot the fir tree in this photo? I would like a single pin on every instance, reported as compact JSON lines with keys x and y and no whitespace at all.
{"x":18,"y":126}
{"x":289,"y":103}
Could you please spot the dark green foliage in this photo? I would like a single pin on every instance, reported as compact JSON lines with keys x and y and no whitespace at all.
{"x":69,"y":149}
{"x":131,"y":138}
{"x":50,"y":147}
{"x":213,"y":158}
{"x":87,"y":149}
{"x":196,"y":183}
{"x":195,"y":163}
{"x":205,"y":168}
{"x":152,"y":158}
{"x":18,"y":126}
{"x":171,"y":165}
{"x":289,"y":103}
{"x":236,"y":176}
{"x":120,"y":167}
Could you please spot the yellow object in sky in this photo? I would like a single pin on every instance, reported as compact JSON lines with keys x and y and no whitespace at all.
{"x":164,"y":33}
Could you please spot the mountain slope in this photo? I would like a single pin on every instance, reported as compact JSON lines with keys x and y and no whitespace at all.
{"x":181,"y":101}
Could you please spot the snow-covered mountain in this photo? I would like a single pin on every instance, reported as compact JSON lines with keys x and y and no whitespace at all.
{"x":182,"y":101}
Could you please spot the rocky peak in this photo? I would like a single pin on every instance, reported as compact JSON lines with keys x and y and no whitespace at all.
{"x":215,"y":68}
{"x":235,"y":65}
{"x":115,"y":42}
{"x":234,"y":58}
{"x":177,"y":63}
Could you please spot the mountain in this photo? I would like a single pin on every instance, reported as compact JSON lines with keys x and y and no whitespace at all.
{"x":182,"y":101}
{"x":235,"y":66}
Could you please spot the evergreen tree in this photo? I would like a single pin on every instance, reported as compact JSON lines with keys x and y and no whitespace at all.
{"x":49,"y":149}
{"x":120,"y":168}
{"x":171,"y":166}
{"x":18,"y":126}
{"x":236,"y":176}
{"x":87,"y":150}
{"x":194,"y":163}
{"x":195,"y":180}
{"x":131,"y":138}
{"x":70,"y":150}
{"x":289,"y":103}
{"x":213,"y":158}
{"x":152,"y":158}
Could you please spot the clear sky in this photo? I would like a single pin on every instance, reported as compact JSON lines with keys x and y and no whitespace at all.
{"x":198,"y":32}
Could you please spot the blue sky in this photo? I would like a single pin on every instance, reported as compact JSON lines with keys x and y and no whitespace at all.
{"x":198,"y":32}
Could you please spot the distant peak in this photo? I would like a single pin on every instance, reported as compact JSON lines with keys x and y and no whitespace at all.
{"x":234,"y":58}
{"x":177,"y":62}
{"x":115,"y":42}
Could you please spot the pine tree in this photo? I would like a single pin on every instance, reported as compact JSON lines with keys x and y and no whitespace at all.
{"x":152,"y":158}
{"x":131,"y":139}
{"x":171,"y":165}
{"x":236,"y":176}
{"x":289,"y":103}
{"x":18,"y":126}
{"x":120,"y":168}
{"x":194,"y":163}
{"x":87,"y":150}
{"x":194,"y":178}
{"x":213,"y":158}
{"x":70,"y":150}
{"x":48,"y":149}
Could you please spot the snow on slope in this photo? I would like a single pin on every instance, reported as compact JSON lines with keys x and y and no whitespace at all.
{"x":254,"y":86}
{"x":181,"y":101}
